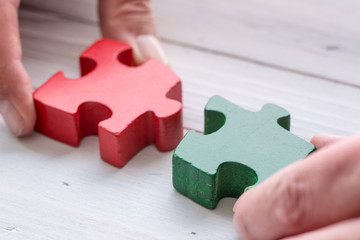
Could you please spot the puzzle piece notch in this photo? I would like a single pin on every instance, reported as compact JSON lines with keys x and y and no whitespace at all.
{"x":240,"y":149}
{"x":128,"y":107}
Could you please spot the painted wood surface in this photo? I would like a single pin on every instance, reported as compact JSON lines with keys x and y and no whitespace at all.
{"x":312,"y":38}
{"x":49,"y":190}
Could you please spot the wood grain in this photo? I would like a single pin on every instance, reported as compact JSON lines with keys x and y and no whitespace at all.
{"x":312,"y":38}
{"x":49,"y":190}
{"x":317,"y":105}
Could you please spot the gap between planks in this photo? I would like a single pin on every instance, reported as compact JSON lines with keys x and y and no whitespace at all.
{"x":202,"y":49}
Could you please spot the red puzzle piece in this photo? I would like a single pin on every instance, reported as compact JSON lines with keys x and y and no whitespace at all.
{"x":129,"y":107}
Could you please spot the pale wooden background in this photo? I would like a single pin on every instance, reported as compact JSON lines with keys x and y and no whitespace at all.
{"x":302,"y":55}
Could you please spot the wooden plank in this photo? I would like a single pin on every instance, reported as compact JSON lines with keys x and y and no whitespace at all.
{"x":51,"y":190}
{"x":318,"y":39}
{"x":317,"y":105}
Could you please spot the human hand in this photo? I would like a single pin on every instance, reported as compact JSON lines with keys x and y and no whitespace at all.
{"x":131,"y":21}
{"x":16,"y":102}
{"x":315,"y":198}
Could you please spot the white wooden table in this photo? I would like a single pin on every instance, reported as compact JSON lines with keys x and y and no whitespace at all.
{"x":302,"y":55}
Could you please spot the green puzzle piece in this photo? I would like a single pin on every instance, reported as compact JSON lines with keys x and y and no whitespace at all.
{"x":239,"y":149}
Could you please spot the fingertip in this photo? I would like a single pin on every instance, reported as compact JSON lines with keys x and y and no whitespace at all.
{"x":240,"y":199}
{"x":12,"y":117}
{"x":236,"y":205}
{"x":243,"y":215}
{"x":19,"y":124}
{"x":27,"y":127}
{"x":148,"y":46}
{"x":238,"y":223}
{"x":238,"y":226}
{"x":323,"y":140}
{"x":316,"y":140}
{"x":17,"y":104}
{"x":28,"y":122}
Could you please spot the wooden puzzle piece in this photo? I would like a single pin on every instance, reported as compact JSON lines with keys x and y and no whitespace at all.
{"x":129,"y":107}
{"x":239,"y":149}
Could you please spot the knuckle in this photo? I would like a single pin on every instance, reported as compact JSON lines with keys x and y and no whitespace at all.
{"x":291,"y":203}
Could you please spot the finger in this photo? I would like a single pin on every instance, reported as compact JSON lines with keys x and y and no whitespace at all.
{"x":22,"y":100}
{"x":323,"y":140}
{"x":148,"y":46}
{"x":12,"y":118}
{"x":16,"y":106}
{"x":348,"y":229}
{"x":303,"y":196}
{"x":132,"y":21}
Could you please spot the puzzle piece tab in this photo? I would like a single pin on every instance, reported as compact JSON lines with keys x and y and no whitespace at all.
{"x":239,"y":149}
{"x":129,"y":107}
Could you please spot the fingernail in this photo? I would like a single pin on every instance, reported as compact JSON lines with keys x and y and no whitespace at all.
{"x":12,"y":117}
{"x":148,"y":46}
